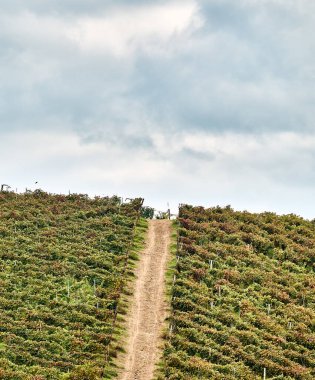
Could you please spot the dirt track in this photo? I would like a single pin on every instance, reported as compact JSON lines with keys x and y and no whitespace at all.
{"x":148,"y":309}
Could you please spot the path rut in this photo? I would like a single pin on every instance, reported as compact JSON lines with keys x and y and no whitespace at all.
{"x":149,"y":309}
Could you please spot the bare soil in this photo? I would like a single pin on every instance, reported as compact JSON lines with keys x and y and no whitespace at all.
{"x":148,"y":307}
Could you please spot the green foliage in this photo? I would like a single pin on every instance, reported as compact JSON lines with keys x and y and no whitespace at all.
{"x":242,"y":297}
{"x":162,"y":215}
{"x":147,"y":212}
{"x":63,"y":265}
{"x":84,"y":372}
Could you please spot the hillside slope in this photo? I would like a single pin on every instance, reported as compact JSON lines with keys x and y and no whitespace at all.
{"x":62,"y":268}
{"x":243,"y":297}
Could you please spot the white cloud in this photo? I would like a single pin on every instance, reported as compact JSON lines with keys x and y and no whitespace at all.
{"x":97,"y":162}
{"x":256,"y":172}
{"x":124,"y":30}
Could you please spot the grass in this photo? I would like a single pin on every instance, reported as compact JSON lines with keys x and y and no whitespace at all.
{"x":169,"y":280}
{"x":138,"y":244}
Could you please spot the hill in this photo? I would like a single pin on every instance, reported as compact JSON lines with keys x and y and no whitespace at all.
{"x":243,"y":300}
{"x":63,"y":263}
{"x":242,"y":290}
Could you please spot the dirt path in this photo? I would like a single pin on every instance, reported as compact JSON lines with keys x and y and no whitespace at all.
{"x":148,"y":310}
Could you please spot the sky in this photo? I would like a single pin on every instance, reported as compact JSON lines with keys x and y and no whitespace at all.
{"x":206,"y":102}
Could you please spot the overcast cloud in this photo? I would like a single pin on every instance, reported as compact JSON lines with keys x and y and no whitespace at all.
{"x":205,"y":102}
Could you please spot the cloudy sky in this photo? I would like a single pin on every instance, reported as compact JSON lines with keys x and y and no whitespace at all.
{"x":186,"y":101}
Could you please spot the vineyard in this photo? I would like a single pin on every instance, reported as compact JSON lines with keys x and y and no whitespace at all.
{"x":63,"y":263}
{"x":243,"y":297}
{"x":241,"y":285}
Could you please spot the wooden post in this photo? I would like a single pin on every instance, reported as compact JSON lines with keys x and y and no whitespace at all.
{"x":268,"y":308}
{"x":265,"y":374}
{"x":290,"y":325}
